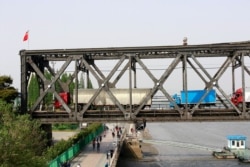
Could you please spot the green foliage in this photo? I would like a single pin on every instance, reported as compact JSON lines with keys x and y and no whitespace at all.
{"x":4,"y":107}
{"x":33,"y":90}
{"x":81,"y":84}
{"x":61,"y":126}
{"x":22,"y":141}
{"x":5,"y":80}
{"x":7,"y":92}
{"x":49,"y":97}
{"x":89,"y":86}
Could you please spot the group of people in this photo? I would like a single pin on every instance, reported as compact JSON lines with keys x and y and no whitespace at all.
{"x":65,"y":164}
{"x":118,"y":131}
{"x":97,"y":142}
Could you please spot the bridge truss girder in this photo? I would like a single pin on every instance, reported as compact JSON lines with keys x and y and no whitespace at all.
{"x":37,"y":61}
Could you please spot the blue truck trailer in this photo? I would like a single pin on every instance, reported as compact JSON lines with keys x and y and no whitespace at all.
{"x":192,"y":97}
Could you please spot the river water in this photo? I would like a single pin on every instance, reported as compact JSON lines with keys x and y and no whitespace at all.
{"x":188,"y":144}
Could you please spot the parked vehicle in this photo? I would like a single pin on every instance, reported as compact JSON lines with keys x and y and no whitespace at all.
{"x":193,"y":97}
{"x":238,"y":98}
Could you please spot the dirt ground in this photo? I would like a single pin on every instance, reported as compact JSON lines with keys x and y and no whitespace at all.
{"x":59,"y":135}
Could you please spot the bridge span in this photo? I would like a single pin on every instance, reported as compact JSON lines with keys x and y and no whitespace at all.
{"x":180,"y":67}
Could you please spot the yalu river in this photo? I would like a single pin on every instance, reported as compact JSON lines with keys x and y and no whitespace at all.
{"x":187,"y":144}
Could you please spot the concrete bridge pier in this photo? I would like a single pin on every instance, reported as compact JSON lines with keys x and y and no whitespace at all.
{"x":48,"y":129}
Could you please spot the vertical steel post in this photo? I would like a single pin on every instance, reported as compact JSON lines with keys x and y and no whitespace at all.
{"x":76,"y":89}
{"x":233,"y":75}
{"x":130,"y":84}
{"x":24,"y":82}
{"x":134,"y":67}
{"x":88,"y":80}
{"x":243,"y":81}
{"x":184,"y":77}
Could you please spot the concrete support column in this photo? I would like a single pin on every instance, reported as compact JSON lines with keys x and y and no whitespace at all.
{"x":48,"y":129}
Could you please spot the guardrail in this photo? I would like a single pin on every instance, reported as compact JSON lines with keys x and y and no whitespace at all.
{"x":118,"y":148}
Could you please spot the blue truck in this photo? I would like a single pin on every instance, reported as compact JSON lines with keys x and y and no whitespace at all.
{"x":193,"y":97}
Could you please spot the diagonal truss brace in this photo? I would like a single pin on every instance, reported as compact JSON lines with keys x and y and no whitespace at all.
{"x":158,"y":83}
{"x":103,"y":85}
{"x":50,"y":83}
{"x":214,"y":80}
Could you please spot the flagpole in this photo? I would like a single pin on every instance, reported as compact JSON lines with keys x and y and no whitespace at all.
{"x":28,"y":40}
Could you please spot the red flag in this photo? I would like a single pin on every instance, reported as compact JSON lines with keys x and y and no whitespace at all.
{"x":26,"y":36}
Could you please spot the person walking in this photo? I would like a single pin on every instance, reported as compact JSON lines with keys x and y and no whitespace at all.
{"x":98,"y":146}
{"x":100,"y":138}
{"x":93,"y":143}
{"x":68,"y":164}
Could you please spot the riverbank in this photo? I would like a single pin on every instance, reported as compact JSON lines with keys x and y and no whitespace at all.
{"x":165,"y":151}
{"x":148,"y":150}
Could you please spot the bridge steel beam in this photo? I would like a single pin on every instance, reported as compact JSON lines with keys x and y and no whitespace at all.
{"x":128,"y":61}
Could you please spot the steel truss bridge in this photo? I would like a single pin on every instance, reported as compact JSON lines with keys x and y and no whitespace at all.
{"x":125,"y":61}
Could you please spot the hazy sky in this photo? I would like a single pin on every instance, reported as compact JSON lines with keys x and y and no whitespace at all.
{"x":111,"y":23}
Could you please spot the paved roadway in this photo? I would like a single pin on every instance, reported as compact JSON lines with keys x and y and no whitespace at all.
{"x":91,"y":157}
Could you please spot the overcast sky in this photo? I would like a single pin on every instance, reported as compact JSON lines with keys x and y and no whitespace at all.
{"x":112,"y":23}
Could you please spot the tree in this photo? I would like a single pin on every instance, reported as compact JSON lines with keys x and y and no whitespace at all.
{"x":22,"y":141}
{"x":81,"y":81}
{"x":89,"y":86}
{"x":7,"y":92}
{"x":33,"y":90}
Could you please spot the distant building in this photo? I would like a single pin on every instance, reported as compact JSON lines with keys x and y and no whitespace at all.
{"x":236,"y":141}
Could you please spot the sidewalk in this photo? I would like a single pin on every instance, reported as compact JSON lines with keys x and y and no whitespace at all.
{"x":91,"y":157}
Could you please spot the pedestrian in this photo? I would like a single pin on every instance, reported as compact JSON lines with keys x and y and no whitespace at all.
{"x":68,"y":164}
{"x":64,"y":164}
{"x":118,"y":134}
{"x":108,"y":154}
{"x":120,"y":130}
{"x":93,"y":143}
{"x":116,"y":128}
{"x":100,"y":138}
{"x":113,"y":134}
{"x":98,"y":146}
{"x":106,"y":165}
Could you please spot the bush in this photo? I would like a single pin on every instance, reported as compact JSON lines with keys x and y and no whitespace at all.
{"x":64,"y":126}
